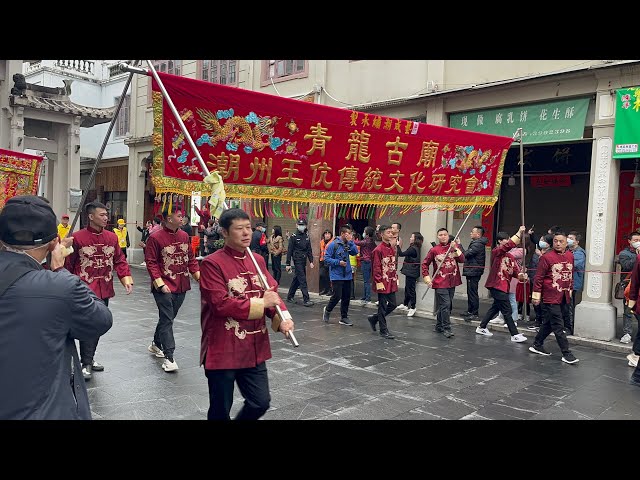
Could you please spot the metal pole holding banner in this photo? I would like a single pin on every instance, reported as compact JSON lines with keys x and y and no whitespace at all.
{"x":450,"y":245}
{"x":99,"y":157}
{"x":284,"y":315}
{"x":520,"y":135}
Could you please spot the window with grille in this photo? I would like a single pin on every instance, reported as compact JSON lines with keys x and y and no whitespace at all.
{"x":122,"y":122}
{"x":224,"y":72}
{"x":282,"y":70}
{"x":173,"y":67}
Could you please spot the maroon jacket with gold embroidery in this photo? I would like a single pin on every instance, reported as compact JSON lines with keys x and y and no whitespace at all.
{"x":449,"y":274}
{"x":170,"y":259}
{"x":96,"y":254}
{"x":234,"y":332}
{"x":554,"y":277}
{"x":383,"y":269}
{"x":503,"y":267}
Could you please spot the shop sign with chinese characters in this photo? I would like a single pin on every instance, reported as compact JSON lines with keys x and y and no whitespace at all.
{"x":557,"y":121}
{"x":271,"y":147}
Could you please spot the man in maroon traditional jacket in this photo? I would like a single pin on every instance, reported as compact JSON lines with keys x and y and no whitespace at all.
{"x":447,"y":279}
{"x":169,"y":259}
{"x":385,"y":280}
{"x":553,"y":285}
{"x":504,"y":267}
{"x":235,"y":341}
{"x":96,"y":254}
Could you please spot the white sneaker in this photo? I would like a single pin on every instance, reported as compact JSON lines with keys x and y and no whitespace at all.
{"x":519,"y":338}
{"x":168,"y":366}
{"x":411,"y":312}
{"x":376,"y":303}
{"x":143,"y":264}
{"x":497,"y":321}
{"x":155,"y":350}
{"x":484,"y":331}
{"x":633,"y":359}
{"x":402,"y":307}
{"x":626,"y":338}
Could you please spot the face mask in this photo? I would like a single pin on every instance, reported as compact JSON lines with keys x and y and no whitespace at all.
{"x":570,"y":242}
{"x":635,"y":245}
{"x":301,"y":228}
{"x":542,"y":244}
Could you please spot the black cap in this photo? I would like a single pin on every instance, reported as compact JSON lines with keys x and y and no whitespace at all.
{"x":27,"y":220}
{"x":302,"y":221}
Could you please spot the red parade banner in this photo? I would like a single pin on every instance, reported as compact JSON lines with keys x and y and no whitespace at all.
{"x":19,"y":174}
{"x":270,"y":147}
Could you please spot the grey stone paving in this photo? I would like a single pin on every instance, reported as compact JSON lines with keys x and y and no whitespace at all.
{"x":342,"y":372}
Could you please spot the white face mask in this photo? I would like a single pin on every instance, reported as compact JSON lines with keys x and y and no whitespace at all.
{"x":570,"y":242}
{"x":542,"y":244}
{"x":635,"y":245}
{"x":301,"y":228}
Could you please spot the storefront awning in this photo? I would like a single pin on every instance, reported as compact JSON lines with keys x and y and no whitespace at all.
{"x":626,"y":134}
{"x":557,"y":122}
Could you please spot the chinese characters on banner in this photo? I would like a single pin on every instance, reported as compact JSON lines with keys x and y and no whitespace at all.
{"x":19,"y":174}
{"x":271,"y":147}
{"x":551,"y":181}
{"x":636,"y":214}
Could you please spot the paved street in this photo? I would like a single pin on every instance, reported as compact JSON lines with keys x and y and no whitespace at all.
{"x":342,"y":372}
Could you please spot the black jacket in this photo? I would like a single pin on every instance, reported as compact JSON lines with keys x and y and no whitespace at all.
{"x":475,"y":257}
{"x":145,"y":233}
{"x":255,"y":246}
{"x":299,"y":248}
{"x":40,"y":316}
{"x":411,"y":266}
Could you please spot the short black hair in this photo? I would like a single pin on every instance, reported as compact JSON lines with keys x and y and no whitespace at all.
{"x":548,"y":238}
{"x":157,"y":219}
{"x":397,"y":223}
{"x":442,"y":230}
{"x":502,"y":236}
{"x":345,"y":228}
{"x":576,"y":234}
{"x":369,"y":231}
{"x":632,"y":234}
{"x":92,"y":206}
{"x":559,"y":232}
{"x":228,"y":216}
{"x":480,"y":228}
{"x":555,"y":229}
{"x":259,"y":224}
{"x":382,"y":228}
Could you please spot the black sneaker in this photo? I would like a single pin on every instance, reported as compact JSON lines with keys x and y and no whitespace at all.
{"x":533,"y":326}
{"x":635,"y":382}
{"x":466,"y":314}
{"x":290,"y":300}
{"x":447,"y":333}
{"x":345,"y":321}
{"x":438,"y":329}
{"x":309,"y":303}
{"x":325,"y":315}
{"x":471,"y":318}
{"x":373,"y":319}
{"x":539,"y":350}
{"x":96,"y":367}
{"x":569,"y":358}
{"x":387,"y":335}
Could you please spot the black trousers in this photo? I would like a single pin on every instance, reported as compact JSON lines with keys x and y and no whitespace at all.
{"x":502,"y":304}
{"x":342,"y":294}
{"x":386,"y":304}
{"x":325,"y":283}
{"x":300,"y":280}
{"x":473,"y":300}
{"x":276,"y":266}
{"x":253,"y":384}
{"x":202,"y":245}
{"x":410,"y":292}
{"x":124,"y":251}
{"x":88,"y":347}
{"x":168,"y":306}
{"x":444,"y":301}
{"x":553,"y":321}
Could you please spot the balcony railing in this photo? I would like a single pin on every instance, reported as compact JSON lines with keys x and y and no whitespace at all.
{"x":82,"y":66}
{"x":115,"y":70}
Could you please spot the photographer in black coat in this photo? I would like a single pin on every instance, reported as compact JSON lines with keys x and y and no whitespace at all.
{"x":474,"y":262}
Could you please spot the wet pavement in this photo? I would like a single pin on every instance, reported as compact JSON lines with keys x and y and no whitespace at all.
{"x":341,"y":372}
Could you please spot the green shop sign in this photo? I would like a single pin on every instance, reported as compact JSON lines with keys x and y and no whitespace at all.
{"x":558,"y":121}
{"x":626,"y":134}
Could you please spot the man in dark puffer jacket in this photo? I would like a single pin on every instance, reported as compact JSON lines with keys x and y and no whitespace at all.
{"x":475,"y":257}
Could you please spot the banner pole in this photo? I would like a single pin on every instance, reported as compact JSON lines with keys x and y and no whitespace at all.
{"x":205,"y":170}
{"x":450,"y":245}
{"x":94,"y":171}
{"x":524,"y":244}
